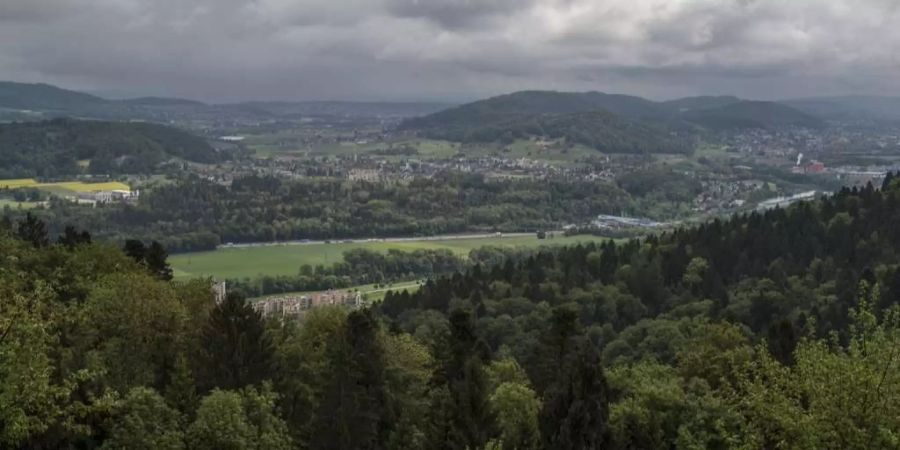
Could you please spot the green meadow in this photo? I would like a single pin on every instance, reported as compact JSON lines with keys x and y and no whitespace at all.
{"x":249,"y":262}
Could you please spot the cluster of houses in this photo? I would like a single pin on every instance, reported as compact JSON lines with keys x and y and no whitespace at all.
{"x":295,"y":306}
{"x":107,"y":196}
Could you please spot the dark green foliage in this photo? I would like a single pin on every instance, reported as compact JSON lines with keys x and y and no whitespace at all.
{"x":33,"y":230}
{"x":662,"y":181}
{"x":72,"y":238}
{"x":801,"y":265}
{"x":764,"y":330}
{"x":156,"y":259}
{"x":464,"y":417}
{"x":236,"y":350}
{"x":609,"y":123}
{"x":197,"y":214}
{"x":353,"y":413}
{"x":576,"y":407}
{"x":136,"y":250}
{"x":53,"y":148}
{"x":750,"y":114}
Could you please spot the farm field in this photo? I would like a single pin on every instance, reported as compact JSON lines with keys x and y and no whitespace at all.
{"x":248,"y":262}
{"x":71,"y":186}
{"x":4,"y":202}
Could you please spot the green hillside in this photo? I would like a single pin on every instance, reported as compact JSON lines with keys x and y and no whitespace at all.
{"x":54,"y":148}
{"x":609,"y":123}
{"x":45,"y":97}
{"x":748,"y":114}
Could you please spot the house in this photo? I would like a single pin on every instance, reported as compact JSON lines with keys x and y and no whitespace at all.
{"x":106,"y":196}
{"x":295,"y":306}
{"x":219,"y":292}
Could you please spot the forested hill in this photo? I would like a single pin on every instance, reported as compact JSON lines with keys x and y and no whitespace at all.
{"x":55,"y":147}
{"x":608,"y":122}
{"x":747,"y":114}
{"x":766,"y":324}
{"x":24,"y":101}
{"x":44,"y":97}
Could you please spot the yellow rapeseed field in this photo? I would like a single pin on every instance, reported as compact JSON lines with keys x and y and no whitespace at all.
{"x":74,"y":186}
{"x":18,"y":182}
{"x":79,"y":186}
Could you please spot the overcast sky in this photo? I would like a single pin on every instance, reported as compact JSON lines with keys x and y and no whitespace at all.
{"x":224,"y":50}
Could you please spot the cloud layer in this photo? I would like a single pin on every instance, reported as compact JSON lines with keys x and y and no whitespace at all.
{"x":453,"y":49}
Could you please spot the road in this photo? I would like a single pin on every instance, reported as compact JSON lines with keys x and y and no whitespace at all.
{"x":444,"y":237}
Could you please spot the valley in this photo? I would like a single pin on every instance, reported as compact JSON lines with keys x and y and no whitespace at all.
{"x":450,"y":225}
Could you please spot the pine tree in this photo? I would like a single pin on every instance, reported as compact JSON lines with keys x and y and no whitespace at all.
{"x":136,"y":250}
{"x":575,"y":415}
{"x":237,"y":351}
{"x":156,"y":259}
{"x":352,"y":411}
{"x":33,"y":230}
{"x":465,"y":408}
{"x":72,"y":238}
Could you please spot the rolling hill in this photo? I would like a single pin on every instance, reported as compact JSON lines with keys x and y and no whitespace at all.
{"x":54,"y":148}
{"x":52,"y":101}
{"x":45,"y":97}
{"x":750,"y":114}
{"x":849,"y":107}
{"x":610,"y":123}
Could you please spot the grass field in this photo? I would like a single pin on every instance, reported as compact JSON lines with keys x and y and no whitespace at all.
{"x":4,"y":202}
{"x":62,"y":187}
{"x":287,"y":259}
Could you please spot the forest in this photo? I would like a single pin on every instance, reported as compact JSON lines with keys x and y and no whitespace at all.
{"x":767,"y":330}
{"x":196,"y":214}
{"x":54,"y":148}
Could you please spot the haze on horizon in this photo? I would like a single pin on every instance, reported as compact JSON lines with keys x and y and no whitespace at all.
{"x":452,"y":50}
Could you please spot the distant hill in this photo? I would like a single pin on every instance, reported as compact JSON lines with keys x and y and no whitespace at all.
{"x":161,"y":101}
{"x":529,"y":103}
{"x":58,"y":102}
{"x":55,"y":147}
{"x":350,"y":109}
{"x":608,"y":122}
{"x":611,"y":123}
{"x":702,"y":102}
{"x":751,"y":114}
{"x":849,"y":107}
{"x":45,"y":97}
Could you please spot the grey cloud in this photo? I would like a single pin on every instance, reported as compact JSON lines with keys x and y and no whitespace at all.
{"x":457,"y":13}
{"x":453,"y":49}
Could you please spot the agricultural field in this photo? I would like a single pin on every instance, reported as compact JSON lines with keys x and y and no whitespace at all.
{"x":4,"y":202}
{"x":249,"y":262}
{"x":64,"y":186}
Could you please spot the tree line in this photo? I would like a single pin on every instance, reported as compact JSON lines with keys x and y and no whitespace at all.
{"x":196,"y":214}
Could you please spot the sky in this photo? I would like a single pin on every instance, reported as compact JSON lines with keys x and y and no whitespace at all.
{"x":452,"y":50}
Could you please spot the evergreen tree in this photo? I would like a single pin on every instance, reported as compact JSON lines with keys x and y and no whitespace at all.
{"x":156,"y":259}
{"x":136,"y":250}
{"x":236,"y":350}
{"x":575,"y":415}
{"x":352,"y":413}
{"x":33,"y":230}
{"x":72,"y":238}
{"x":465,"y":406}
